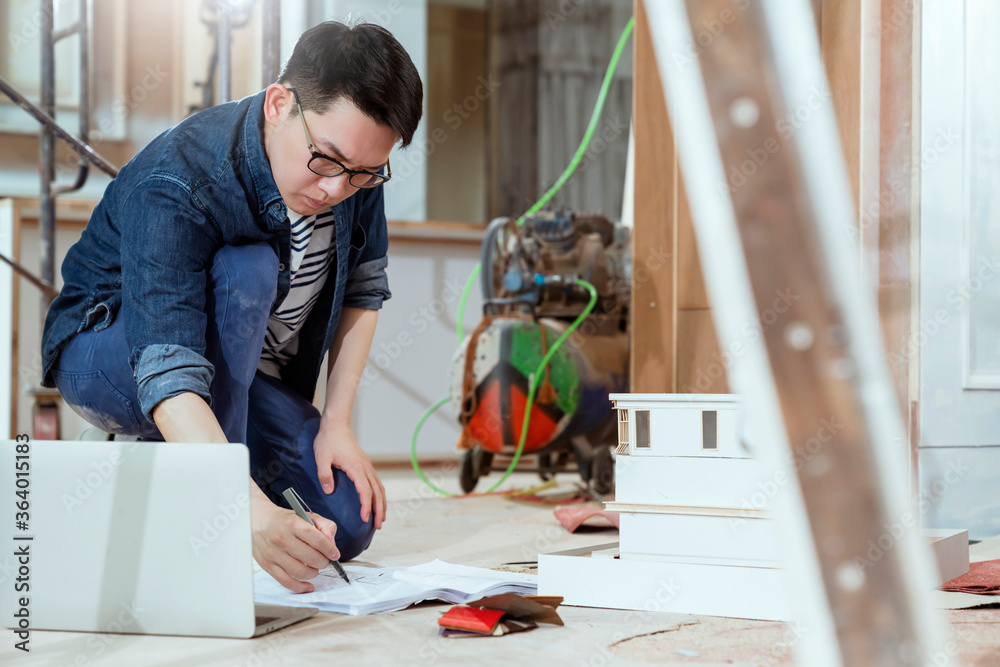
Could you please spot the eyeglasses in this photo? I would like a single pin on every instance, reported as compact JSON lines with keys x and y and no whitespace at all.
{"x":324,"y":165}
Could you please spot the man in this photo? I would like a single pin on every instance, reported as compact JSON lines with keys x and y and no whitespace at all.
{"x":222,"y":264}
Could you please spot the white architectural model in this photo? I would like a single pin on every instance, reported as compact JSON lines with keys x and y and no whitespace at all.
{"x":687,"y":489}
{"x":696,"y":534}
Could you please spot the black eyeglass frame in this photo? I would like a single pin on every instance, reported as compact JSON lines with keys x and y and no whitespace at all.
{"x":351,"y":173}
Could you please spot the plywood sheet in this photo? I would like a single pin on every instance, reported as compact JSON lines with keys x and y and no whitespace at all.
{"x":653,"y":330}
{"x":701,"y":365}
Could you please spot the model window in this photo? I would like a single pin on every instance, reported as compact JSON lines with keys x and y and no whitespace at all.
{"x":622,"y":431}
{"x":709,"y":429}
{"x":642,"y":429}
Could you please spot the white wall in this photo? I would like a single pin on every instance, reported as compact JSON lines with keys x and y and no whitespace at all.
{"x":406,"y":193}
{"x":410,"y":361}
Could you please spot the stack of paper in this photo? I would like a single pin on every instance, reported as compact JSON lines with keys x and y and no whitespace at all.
{"x":377,"y":590}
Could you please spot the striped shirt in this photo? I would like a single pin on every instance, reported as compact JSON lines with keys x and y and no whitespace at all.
{"x":312,"y":256}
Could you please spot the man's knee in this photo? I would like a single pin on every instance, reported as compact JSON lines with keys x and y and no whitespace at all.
{"x":344,"y":507}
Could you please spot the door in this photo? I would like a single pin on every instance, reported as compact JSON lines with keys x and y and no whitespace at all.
{"x":958,"y":336}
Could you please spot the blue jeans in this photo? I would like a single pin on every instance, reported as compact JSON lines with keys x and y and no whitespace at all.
{"x":279,"y":426}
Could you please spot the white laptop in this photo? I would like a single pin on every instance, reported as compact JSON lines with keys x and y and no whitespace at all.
{"x":131,"y":537}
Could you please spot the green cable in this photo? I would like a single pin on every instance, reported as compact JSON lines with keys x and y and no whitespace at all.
{"x":534,"y":381}
{"x":539,"y":373}
{"x":567,"y":173}
{"x":560,"y":182}
{"x":413,"y":444}
{"x":591,"y":127}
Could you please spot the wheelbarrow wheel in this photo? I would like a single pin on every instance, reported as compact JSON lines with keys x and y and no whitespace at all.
{"x":467,"y":473}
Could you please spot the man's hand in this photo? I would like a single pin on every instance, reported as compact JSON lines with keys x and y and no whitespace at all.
{"x":336,"y":447}
{"x":288,"y":548}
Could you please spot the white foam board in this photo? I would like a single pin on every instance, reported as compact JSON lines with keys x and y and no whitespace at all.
{"x":646,"y":585}
{"x":678,"y":432}
{"x":696,"y":482}
{"x":951,"y":551}
{"x":677,"y":536}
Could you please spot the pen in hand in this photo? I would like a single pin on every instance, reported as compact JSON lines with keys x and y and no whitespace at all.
{"x":300,"y":507}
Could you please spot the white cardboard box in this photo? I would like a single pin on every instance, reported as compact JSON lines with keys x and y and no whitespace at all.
{"x":951,"y":551}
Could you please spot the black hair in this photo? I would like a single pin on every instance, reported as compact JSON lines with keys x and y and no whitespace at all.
{"x":364,"y":64}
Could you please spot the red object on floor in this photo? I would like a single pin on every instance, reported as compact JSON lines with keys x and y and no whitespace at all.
{"x":471,"y":619}
{"x":572,"y":517}
{"x":982,"y":578}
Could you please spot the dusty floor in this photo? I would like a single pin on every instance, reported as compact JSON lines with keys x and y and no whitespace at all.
{"x":483,"y":531}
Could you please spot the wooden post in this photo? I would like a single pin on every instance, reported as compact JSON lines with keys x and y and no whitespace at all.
{"x":654,"y":238}
{"x":900,"y":212}
{"x":868,"y":53}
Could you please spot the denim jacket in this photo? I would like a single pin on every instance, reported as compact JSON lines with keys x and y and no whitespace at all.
{"x":148,"y":246}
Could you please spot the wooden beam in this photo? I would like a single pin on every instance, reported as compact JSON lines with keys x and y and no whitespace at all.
{"x":701,"y":367}
{"x":653,"y":332}
{"x":850,"y":43}
{"x":868,"y":52}
{"x":899,"y":201}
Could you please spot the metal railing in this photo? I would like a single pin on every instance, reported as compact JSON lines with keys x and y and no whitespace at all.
{"x":44,"y":113}
{"x":50,"y":130}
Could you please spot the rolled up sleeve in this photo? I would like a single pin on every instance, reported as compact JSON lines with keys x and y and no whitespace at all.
{"x":167,"y":242}
{"x":367,"y":284}
{"x":165,"y":371}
